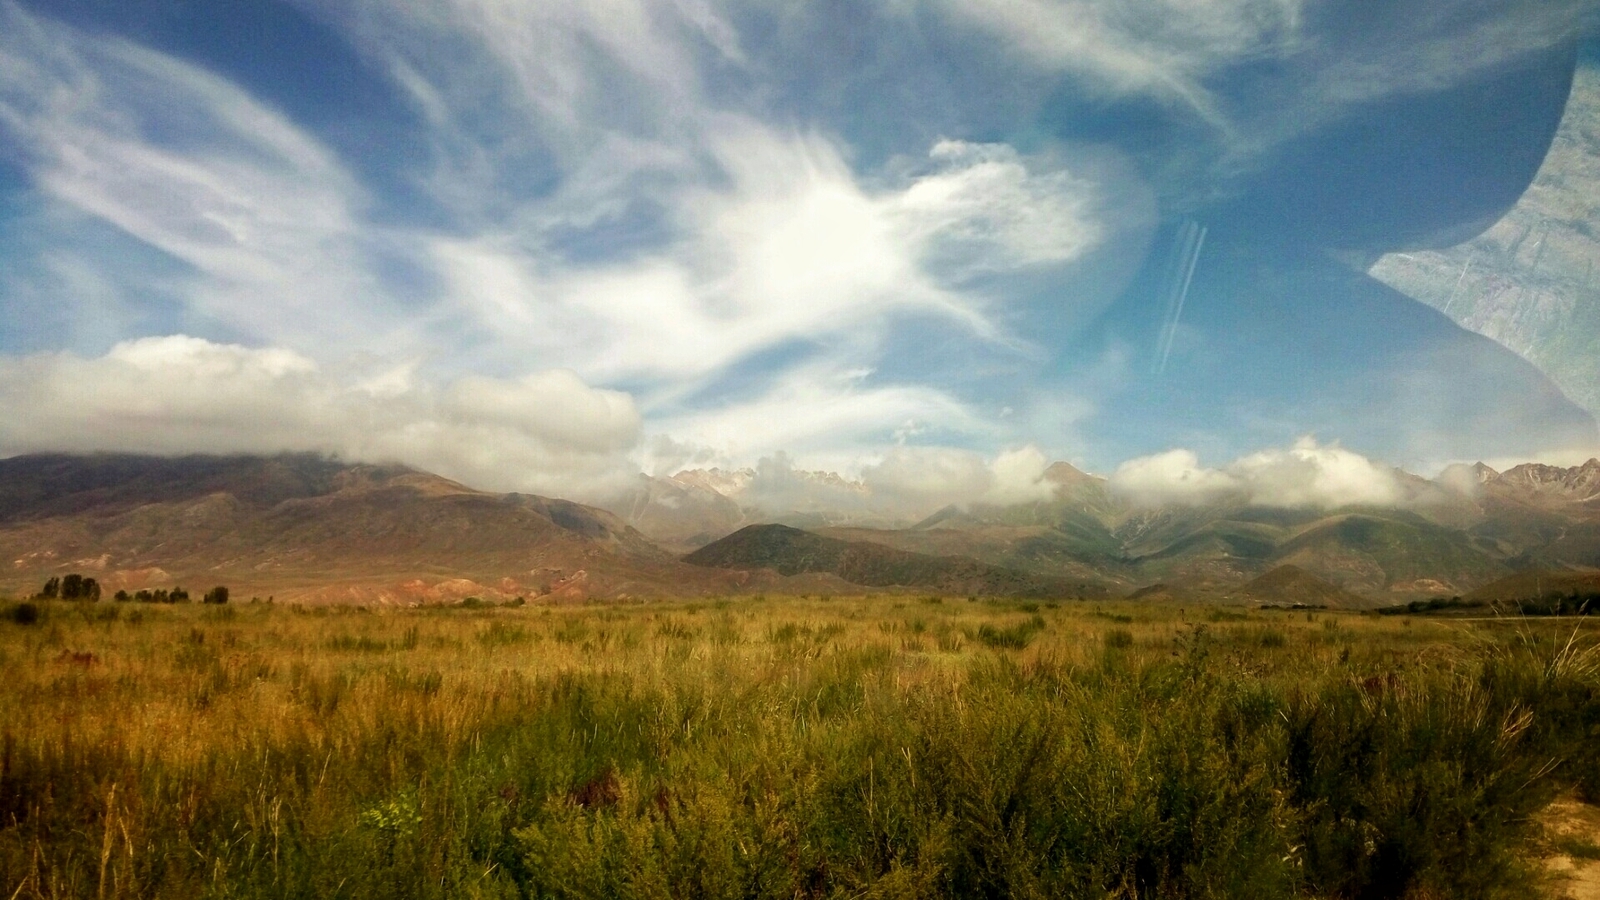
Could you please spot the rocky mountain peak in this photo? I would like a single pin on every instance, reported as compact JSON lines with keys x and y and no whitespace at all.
{"x":1575,"y":484}
{"x":1068,"y":475}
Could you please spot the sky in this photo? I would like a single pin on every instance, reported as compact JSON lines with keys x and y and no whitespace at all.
{"x":931,"y":244}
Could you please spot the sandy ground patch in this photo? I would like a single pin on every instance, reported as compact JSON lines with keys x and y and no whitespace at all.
{"x":1572,"y":832}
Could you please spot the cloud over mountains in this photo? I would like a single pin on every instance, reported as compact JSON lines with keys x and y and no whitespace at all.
{"x":546,"y":432}
{"x":1307,"y":474}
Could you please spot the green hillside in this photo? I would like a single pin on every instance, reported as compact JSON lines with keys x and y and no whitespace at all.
{"x":790,"y":551}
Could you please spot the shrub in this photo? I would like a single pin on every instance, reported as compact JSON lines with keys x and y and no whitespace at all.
{"x":1016,"y":637}
{"x":24,"y":613}
{"x":1119,"y":639}
{"x":218,"y":594}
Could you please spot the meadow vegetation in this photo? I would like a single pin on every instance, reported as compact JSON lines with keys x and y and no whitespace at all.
{"x":783,"y":747}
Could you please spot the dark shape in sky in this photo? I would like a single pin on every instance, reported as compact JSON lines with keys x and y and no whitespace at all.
{"x":1272,"y":328}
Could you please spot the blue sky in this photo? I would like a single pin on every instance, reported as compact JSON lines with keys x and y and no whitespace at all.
{"x":548,"y":245}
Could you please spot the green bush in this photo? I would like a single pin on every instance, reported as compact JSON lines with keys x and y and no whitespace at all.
{"x":1015,"y":637}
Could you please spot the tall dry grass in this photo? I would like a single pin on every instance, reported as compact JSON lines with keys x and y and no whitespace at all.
{"x":787,"y":747}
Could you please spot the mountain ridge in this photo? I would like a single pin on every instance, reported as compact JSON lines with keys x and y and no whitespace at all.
{"x":317,"y":527}
{"x":1450,"y":534}
{"x":792,"y":551}
{"x":304,"y":526}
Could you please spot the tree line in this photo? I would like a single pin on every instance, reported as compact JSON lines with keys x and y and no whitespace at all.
{"x":78,"y":587}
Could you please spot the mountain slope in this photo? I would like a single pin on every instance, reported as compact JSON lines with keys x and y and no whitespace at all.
{"x":304,"y":525}
{"x":790,"y":551}
{"x":1540,"y":586}
{"x":1367,"y":551}
{"x":1289,"y":585}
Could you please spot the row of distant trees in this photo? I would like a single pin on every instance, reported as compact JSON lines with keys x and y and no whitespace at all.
{"x":77,"y":587}
{"x":71,"y":587}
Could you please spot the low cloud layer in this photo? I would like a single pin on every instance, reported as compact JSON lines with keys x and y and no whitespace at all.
{"x":551,"y":433}
{"x":547,"y":432}
{"x":902,"y":486}
{"x":1305,"y":475}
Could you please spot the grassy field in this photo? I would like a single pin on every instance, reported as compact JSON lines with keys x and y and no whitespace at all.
{"x":793,"y":747}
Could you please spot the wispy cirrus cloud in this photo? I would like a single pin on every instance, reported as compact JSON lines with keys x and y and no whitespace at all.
{"x":265,"y":219}
{"x":1164,"y":49}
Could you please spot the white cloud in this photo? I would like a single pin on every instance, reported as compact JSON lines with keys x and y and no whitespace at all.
{"x":791,"y":247}
{"x":1173,"y":477}
{"x":1018,"y":477}
{"x":777,"y":487}
{"x":547,"y":432}
{"x":916,"y":481}
{"x":901,"y":485}
{"x":1305,"y":475}
{"x":922,"y":479}
{"x":1309,"y":474}
{"x":820,"y":411}
{"x":985,"y":210}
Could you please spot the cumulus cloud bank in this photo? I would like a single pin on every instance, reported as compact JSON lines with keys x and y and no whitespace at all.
{"x":546,"y":432}
{"x":922,"y":479}
{"x":1308,"y":474}
{"x":906,"y":484}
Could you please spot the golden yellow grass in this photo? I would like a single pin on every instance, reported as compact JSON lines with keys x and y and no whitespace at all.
{"x":172,"y":681}
{"x":189,"y":750}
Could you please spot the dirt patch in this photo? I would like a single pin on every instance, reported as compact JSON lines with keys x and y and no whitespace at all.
{"x":1572,"y":855}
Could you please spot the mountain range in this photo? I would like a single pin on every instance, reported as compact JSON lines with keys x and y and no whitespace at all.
{"x":1446,"y":536}
{"x":309,"y":528}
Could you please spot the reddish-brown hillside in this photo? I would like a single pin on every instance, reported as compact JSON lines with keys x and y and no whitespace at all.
{"x":304,"y":526}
